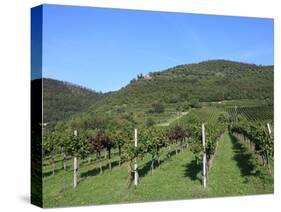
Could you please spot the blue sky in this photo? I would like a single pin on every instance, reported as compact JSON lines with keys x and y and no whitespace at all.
{"x":104,"y":49}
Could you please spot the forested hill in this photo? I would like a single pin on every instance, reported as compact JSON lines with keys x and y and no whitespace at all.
{"x":208,"y":81}
{"x":61,"y":100}
{"x":213,"y":80}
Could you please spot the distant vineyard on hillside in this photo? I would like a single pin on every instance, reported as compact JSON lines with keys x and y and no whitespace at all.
{"x":210,"y":115}
{"x":259,"y":113}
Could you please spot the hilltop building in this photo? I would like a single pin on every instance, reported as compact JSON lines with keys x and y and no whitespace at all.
{"x":147,"y":77}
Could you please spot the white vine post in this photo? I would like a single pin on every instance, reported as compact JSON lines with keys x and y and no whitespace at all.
{"x":204,"y":156}
{"x":136,"y":165}
{"x":236,"y":113}
{"x":269,"y":130}
{"x":75,"y":166}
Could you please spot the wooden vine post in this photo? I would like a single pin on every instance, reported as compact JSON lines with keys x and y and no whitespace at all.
{"x":136,"y":165}
{"x":204,"y":156}
{"x":75,"y":166}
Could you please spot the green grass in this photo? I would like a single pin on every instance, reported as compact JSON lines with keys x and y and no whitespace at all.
{"x":232,"y":172}
{"x":177,"y":178}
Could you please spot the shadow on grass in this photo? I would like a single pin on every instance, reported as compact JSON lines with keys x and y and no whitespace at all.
{"x":192,"y":169}
{"x":243,"y":158}
{"x":83,"y":163}
{"x":172,"y":153}
{"x":146,"y":168}
{"x":49,"y":173}
{"x":96,"y":171}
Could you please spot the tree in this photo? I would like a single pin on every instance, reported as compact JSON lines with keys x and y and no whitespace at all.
{"x":174,"y":99}
{"x":149,"y":122}
{"x":186,"y":106}
{"x":213,"y":134}
{"x":107,"y":143}
{"x":179,"y":108}
{"x":195,"y":143}
{"x":177,"y":134}
{"x":157,"y":107}
{"x":96,"y":145}
{"x":133,"y":80}
{"x":119,"y":137}
{"x":63,"y":140}
{"x":194,"y":103}
{"x":224,"y":118}
{"x":131,"y":152}
{"x":50,"y":147}
{"x":155,"y":140}
{"x":140,"y":76}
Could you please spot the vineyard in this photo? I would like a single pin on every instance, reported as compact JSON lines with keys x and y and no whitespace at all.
{"x":123,"y":110}
{"x":251,"y":113}
{"x":186,"y":159}
{"x":207,"y":115}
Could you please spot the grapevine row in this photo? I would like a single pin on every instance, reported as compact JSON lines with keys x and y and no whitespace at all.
{"x":260,"y":138}
{"x":151,"y":140}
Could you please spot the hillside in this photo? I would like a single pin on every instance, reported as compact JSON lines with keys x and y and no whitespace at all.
{"x":159,"y":112}
{"x":62,"y":100}
{"x":172,"y":90}
{"x":207,"y":81}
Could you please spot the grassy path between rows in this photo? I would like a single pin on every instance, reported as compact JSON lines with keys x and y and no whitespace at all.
{"x":233,"y":172}
{"x":177,"y":178}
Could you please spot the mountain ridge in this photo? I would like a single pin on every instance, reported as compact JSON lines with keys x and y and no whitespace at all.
{"x":214,"y":80}
{"x":207,"y":81}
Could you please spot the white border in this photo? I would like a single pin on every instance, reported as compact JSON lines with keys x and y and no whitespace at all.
{"x":15,"y":102}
